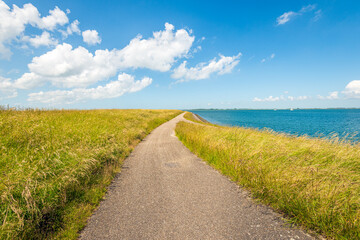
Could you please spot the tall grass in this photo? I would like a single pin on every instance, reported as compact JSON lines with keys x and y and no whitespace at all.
{"x":316,"y":182}
{"x":55,"y":165}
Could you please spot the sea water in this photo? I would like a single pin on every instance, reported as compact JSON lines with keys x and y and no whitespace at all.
{"x":311,"y":122}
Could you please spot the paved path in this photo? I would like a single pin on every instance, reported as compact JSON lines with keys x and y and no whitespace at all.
{"x":166,"y":192}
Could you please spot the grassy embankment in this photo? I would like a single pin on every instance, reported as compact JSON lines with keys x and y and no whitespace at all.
{"x":316,"y":182}
{"x":55,"y":165}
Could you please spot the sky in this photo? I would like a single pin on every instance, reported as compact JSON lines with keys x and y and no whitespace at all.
{"x":180,"y":54}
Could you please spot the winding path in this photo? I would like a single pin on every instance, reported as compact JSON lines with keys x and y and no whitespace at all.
{"x":166,"y":192}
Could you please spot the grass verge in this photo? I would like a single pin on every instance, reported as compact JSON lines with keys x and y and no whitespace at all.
{"x":197,"y":119}
{"x":315,"y":182}
{"x":55,"y":165}
{"x":190,"y":116}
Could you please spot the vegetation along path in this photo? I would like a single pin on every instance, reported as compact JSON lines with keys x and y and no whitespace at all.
{"x":166,"y":192}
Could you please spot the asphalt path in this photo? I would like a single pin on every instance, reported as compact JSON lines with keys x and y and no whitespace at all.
{"x":166,"y":192}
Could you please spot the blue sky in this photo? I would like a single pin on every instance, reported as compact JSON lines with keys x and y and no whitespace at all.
{"x":180,"y":54}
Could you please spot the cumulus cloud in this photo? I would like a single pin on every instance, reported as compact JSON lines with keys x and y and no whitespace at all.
{"x":77,"y":68}
{"x":91,"y":37}
{"x":352,"y":90}
{"x":124,"y":84}
{"x":13,"y":23}
{"x":71,"y":29}
{"x":55,"y":17}
{"x":287,"y":16}
{"x":7,"y":89}
{"x":43,"y":40}
{"x":204,"y":70}
{"x":159,"y":52}
{"x":68,"y":67}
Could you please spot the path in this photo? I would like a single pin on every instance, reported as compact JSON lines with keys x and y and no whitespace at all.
{"x":166,"y":192}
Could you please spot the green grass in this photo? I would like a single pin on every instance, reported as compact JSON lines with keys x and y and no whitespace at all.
{"x":55,"y":165}
{"x":313,"y":181}
{"x":190,"y":116}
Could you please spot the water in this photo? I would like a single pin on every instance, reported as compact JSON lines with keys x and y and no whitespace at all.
{"x":311,"y":122}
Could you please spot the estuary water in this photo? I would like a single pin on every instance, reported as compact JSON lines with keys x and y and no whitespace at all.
{"x":311,"y":122}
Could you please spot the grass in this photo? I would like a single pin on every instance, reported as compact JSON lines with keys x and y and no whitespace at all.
{"x":190,"y":116}
{"x":314,"y":181}
{"x":55,"y":165}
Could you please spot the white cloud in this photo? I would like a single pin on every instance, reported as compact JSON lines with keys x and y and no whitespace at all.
{"x":13,"y":23}
{"x":159,"y":52}
{"x":72,"y":28}
{"x":197,"y":49}
{"x":124,"y":84}
{"x":43,"y":40}
{"x":7,"y":89}
{"x":50,"y":22}
{"x":318,"y":15}
{"x":68,"y":67}
{"x":202,"y":71}
{"x":91,"y":37}
{"x":281,"y":98}
{"x":352,"y":90}
{"x":287,"y":16}
{"x":28,"y":80}
{"x":332,"y":96}
{"x":272,"y":56}
{"x":268,"y":99}
{"x":307,"y":8}
{"x":301,"y":98}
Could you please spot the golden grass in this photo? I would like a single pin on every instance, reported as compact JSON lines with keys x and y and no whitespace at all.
{"x":190,"y":116}
{"x":315,"y":182}
{"x":55,"y":165}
